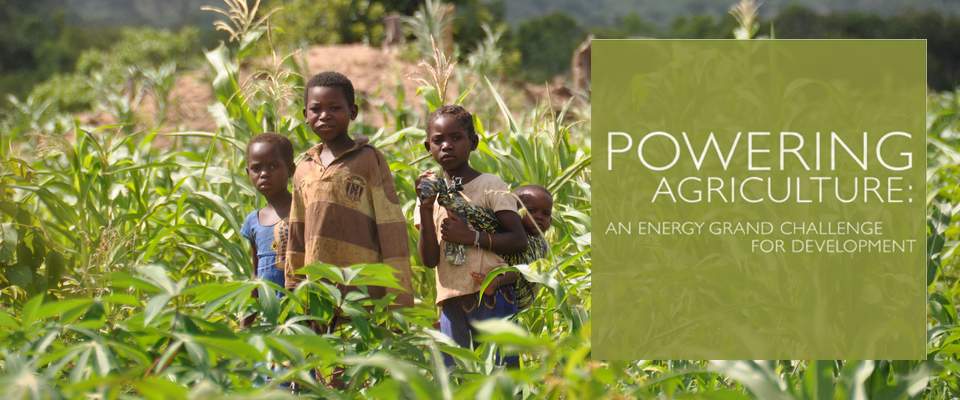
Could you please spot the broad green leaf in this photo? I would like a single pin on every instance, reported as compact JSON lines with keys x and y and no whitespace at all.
{"x":855,"y":374}
{"x":313,"y":344}
{"x":31,"y":310}
{"x":204,"y":293}
{"x":157,"y":276}
{"x":819,"y":380}
{"x":223,"y":66}
{"x":160,"y":388}
{"x":329,"y":272}
{"x":401,"y":371}
{"x":371,"y":275}
{"x":460,"y":353}
{"x":269,"y":304}
{"x":102,"y":358}
{"x":506,"y":332}
{"x":229,"y":347}
{"x":7,"y":321}
{"x":59,"y":307}
{"x":492,"y":275}
{"x":123,"y":280}
{"x":209,"y":201}
{"x":757,"y":376}
{"x":124,"y":299}
{"x":155,"y":307}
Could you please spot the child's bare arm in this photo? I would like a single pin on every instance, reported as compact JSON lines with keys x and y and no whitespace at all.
{"x":428,"y":246}
{"x":512,"y":240}
{"x":455,"y":230}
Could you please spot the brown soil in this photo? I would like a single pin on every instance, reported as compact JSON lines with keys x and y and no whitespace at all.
{"x":375,"y":73}
{"x":186,"y":105}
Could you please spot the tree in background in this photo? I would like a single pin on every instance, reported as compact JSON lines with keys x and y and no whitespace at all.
{"x":546,"y":45}
{"x":134,"y":52}
{"x":35,"y":42}
{"x":629,"y":26}
{"x":470,"y":18}
{"x":306,"y":22}
{"x":41,"y":40}
{"x":940,"y":30}
{"x":701,"y":27}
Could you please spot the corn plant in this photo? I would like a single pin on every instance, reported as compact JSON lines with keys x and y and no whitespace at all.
{"x":123,"y":274}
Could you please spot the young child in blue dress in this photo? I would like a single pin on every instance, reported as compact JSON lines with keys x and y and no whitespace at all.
{"x":269,"y":166}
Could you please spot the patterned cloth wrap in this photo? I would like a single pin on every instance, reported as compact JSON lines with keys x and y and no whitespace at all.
{"x":481,"y":219}
{"x":281,"y":236}
{"x":449,"y":196}
{"x":525,"y":290}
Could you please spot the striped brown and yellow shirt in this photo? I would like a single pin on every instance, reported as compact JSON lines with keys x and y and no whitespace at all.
{"x":347,"y":213}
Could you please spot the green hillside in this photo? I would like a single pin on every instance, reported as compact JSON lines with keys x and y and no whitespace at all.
{"x":608,"y":12}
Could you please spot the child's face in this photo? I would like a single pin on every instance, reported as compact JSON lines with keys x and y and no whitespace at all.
{"x":539,"y":212}
{"x":268,"y":170}
{"x":328,"y":113}
{"x":448,"y":143}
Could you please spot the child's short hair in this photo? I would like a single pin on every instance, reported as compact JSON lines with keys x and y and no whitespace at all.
{"x":282,"y":143}
{"x":524,"y":192}
{"x":460,"y":115}
{"x":330,"y":79}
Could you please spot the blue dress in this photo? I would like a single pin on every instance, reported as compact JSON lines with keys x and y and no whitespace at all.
{"x":262,"y":237}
